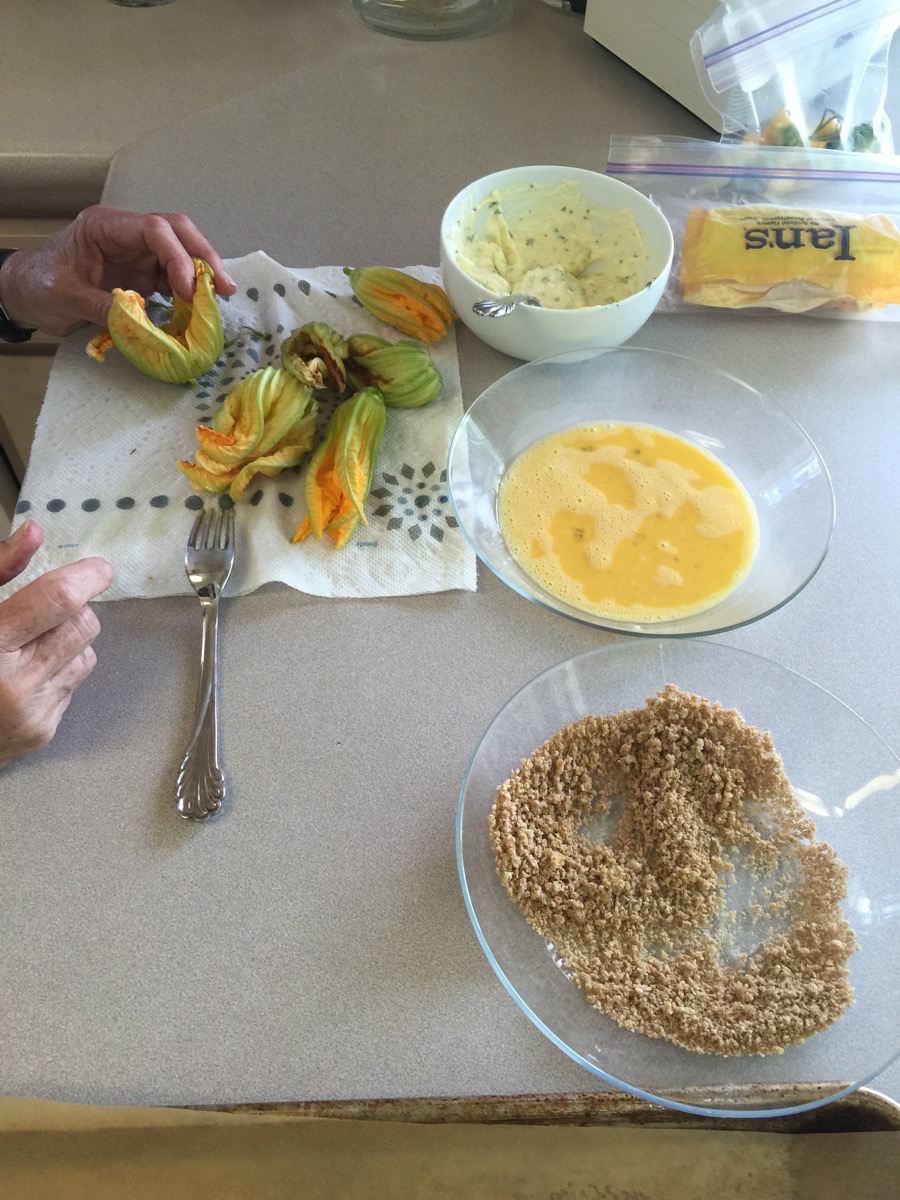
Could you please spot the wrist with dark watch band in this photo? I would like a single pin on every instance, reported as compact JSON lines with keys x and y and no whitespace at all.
{"x":10,"y":331}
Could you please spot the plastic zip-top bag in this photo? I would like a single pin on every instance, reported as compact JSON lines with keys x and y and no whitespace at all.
{"x":797,"y":73}
{"x":763,"y":228}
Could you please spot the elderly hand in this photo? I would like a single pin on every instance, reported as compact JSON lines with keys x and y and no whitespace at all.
{"x":46,"y":631}
{"x":68,"y":280}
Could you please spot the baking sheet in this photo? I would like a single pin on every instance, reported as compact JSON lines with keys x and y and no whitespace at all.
{"x":53,"y":1151}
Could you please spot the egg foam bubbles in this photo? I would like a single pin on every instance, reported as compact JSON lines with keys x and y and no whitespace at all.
{"x":628,"y":522}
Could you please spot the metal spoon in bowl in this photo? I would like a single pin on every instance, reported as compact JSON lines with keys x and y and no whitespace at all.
{"x":504,"y":305}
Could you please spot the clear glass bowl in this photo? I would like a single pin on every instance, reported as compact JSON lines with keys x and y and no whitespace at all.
{"x":430,"y":18}
{"x":766,"y":449}
{"x":851,"y":785}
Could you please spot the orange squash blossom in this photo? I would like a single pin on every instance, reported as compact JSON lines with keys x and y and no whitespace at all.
{"x":340,"y":471}
{"x":420,"y":310}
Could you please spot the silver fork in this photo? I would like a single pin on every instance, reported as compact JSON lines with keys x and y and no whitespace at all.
{"x":200,"y":787}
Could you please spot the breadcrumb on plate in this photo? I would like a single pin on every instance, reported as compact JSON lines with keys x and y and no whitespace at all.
{"x":643,"y":920}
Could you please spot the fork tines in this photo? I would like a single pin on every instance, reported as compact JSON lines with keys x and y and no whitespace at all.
{"x":213,"y":529}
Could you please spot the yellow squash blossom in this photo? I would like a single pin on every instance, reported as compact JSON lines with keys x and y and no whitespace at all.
{"x":315,"y":353}
{"x":182,"y":349}
{"x":340,"y":472}
{"x":266,"y":423}
{"x":420,"y":310}
{"x":404,"y":371}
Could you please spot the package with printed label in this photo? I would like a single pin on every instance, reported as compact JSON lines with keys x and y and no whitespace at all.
{"x":781,"y":228}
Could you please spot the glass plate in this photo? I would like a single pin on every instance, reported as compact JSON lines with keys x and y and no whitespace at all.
{"x":849,"y":781}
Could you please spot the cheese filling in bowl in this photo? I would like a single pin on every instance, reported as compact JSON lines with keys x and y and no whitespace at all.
{"x":595,"y":252}
{"x":555,"y":244}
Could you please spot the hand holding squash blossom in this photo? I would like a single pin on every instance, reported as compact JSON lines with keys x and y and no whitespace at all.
{"x":47,"y":627}
{"x":67,"y":281}
{"x":179,"y":351}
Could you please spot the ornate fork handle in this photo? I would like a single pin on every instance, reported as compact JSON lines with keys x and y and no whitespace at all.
{"x":200,"y":786}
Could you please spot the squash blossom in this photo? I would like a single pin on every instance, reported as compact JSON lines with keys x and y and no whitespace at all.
{"x":315,"y":353}
{"x":182,"y":349}
{"x":420,"y":310}
{"x":863,"y":139}
{"x":827,"y":134}
{"x":267,"y":422}
{"x":404,"y":372}
{"x":781,"y":131}
{"x":340,"y":471}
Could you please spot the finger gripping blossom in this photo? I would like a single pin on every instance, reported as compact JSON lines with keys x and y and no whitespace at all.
{"x":179,"y":351}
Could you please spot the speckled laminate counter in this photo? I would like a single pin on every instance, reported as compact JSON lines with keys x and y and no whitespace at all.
{"x":313,"y":942}
{"x":84,"y":77}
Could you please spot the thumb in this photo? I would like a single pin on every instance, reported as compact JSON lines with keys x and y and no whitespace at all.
{"x":73,"y":306}
{"x":95,"y":305}
{"x":17,"y":551}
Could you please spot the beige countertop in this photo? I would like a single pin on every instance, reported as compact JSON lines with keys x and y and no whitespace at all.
{"x":313,"y":942}
{"x":88,"y":76}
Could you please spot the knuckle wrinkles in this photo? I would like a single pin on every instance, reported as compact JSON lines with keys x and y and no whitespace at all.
{"x":63,"y":595}
{"x":79,"y":669}
{"x":86,"y":623}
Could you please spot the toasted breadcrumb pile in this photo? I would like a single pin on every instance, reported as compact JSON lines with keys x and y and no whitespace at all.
{"x":640,"y":921}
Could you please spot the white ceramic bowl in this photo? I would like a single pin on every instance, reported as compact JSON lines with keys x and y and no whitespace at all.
{"x":528,"y":332}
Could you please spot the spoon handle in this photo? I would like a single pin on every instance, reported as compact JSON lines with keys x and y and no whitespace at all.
{"x":504,"y":305}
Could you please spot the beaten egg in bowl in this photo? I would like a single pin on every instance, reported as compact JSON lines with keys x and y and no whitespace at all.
{"x":628,"y":522}
{"x":641,"y":492}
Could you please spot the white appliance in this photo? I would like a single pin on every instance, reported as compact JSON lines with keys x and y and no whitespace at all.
{"x":654,"y":37}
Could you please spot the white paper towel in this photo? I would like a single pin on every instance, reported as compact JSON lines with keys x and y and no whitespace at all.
{"x":102,"y":477}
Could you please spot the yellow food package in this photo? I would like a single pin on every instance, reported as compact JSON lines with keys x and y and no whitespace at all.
{"x":792,"y":259}
{"x":766,"y":229}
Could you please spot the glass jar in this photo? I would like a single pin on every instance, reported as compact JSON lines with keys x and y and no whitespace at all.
{"x":429,"y":18}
